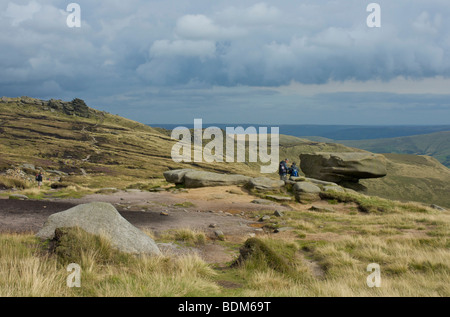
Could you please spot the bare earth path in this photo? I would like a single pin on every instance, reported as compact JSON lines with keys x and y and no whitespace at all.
{"x":196,"y":209}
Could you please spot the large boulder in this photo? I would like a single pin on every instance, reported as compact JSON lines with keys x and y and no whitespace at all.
{"x":176,"y":176}
{"x":343,"y":167}
{"x":265,"y":183}
{"x":306,"y":192}
{"x":102,"y":219}
{"x":194,"y":179}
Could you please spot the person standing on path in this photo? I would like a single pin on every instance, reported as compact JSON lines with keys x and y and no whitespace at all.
{"x":39,"y":179}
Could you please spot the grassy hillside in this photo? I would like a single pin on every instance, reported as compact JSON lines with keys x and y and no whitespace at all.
{"x":436,"y":145}
{"x":96,"y":150}
{"x":100,"y":150}
{"x":412,"y":178}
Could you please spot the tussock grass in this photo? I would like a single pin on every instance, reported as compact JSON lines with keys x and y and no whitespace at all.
{"x":7,"y":182}
{"x":190,"y":237}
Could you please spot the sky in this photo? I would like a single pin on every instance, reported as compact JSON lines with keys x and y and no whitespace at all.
{"x":261,"y":62}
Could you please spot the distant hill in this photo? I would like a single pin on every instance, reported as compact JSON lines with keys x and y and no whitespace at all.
{"x":333,"y":132}
{"x":436,"y":145}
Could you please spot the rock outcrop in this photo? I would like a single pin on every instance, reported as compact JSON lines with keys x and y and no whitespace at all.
{"x":102,"y":219}
{"x":76,"y":107}
{"x":343,"y":167}
{"x":265,"y":183}
{"x":194,"y":178}
{"x":306,"y":192}
{"x":176,"y":176}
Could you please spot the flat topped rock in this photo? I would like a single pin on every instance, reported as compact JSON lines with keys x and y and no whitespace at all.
{"x":343,"y":167}
{"x":265,"y":183}
{"x":194,"y":179}
{"x":102,"y":219}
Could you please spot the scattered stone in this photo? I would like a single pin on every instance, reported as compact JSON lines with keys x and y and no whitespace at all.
{"x":278,"y":213}
{"x":438,"y":207}
{"x":264,"y":218}
{"x":163,"y":213}
{"x":28,"y":166}
{"x":133,"y":190}
{"x":213,"y":225}
{"x":282,"y":229}
{"x":262,"y":202}
{"x":101,"y":219}
{"x":279,"y":198}
{"x":321,"y":209}
{"x":219,"y":235}
{"x":157,"y":189}
{"x":18,"y":196}
{"x":107,"y":190}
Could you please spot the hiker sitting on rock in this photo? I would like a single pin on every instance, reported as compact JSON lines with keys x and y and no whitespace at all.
{"x":293,"y":170}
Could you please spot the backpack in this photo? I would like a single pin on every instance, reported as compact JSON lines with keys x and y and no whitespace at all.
{"x":294,"y":172}
{"x":37,"y":177}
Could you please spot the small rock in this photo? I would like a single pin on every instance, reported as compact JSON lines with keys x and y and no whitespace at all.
{"x":264,"y":218}
{"x":18,"y":196}
{"x":262,"y":202}
{"x":279,"y":198}
{"x":321,"y":209}
{"x":278,"y":213}
{"x":219,"y":234}
{"x":213,"y":225}
{"x":163,"y":213}
{"x":282,"y":229}
{"x":438,"y":207}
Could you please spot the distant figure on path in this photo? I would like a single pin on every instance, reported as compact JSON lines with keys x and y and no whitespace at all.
{"x":283,"y":170}
{"x":39,"y":179}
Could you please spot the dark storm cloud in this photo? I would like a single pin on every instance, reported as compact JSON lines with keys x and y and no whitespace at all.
{"x":203,"y":57}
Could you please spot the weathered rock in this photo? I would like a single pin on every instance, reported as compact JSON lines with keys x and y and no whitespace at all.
{"x":306,"y":192}
{"x":306,"y":187}
{"x":297,"y":178}
{"x":278,"y":213}
{"x":262,"y":202}
{"x":177,"y":176}
{"x":265,"y":183}
{"x":334,"y":188}
{"x":101,"y":219}
{"x":282,"y":229}
{"x":219,"y":235}
{"x":279,"y":198}
{"x":29,"y":166}
{"x":195,"y":179}
{"x":438,"y":207}
{"x":341,"y":167}
{"x":18,"y":196}
{"x":321,"y":209}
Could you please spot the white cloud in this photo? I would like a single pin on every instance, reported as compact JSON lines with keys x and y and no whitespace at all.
{"x":165,"y":48}
{"x":19,"y":13}
{"x":201,"y":27}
